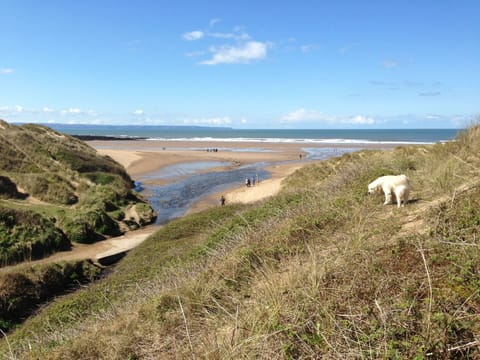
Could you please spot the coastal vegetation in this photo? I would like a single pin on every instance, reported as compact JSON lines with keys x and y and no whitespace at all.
{"x":55,"y":190}
{"x":23,"y":289}
{"x":321,"y":270}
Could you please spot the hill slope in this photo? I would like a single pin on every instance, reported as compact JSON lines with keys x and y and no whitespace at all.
{"x":55,"y":189}
{"x":322,"y":270}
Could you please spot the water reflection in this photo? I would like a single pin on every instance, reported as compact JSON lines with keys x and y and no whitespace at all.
{"x":316,"y":153}
{"x":183,"y":169}
{"x":173,"y":200}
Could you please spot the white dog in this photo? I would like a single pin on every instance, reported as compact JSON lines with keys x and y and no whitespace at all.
{"x":397,"y":186}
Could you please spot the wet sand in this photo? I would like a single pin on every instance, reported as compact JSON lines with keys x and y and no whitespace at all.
{"x":144,"y":157}
{"x":141,"y":158}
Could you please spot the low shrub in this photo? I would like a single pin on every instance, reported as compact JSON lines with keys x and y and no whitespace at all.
{"x":26,"y":235}
{"x":21,"y":292}
{"x":8,"y":189}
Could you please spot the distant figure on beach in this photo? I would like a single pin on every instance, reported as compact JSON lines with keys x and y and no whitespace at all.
{"x":300,"y":156}
{"x":247,"y":181}
{"x":222,"y":200}
{"x":258,"y":180}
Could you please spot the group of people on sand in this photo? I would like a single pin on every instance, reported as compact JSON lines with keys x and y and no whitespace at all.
{"x":212,"y":150}
{"x":252,"y":181}
{"x":248,"y":182}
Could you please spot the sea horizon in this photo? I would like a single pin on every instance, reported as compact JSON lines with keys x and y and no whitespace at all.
{"x":223,"y":134}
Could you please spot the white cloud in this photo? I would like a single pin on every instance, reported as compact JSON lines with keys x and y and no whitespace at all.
{"x":139,"y":112}
{"x":72,"y":111}
{"x":208,"y":121}
{"x":6,"y":71}
{"x":193,"y":35}
{"x":388,"y":64}
{"x":214,"y":21}
{"x":244,"y":121}
{"x":241,"y":54}
{"x":304,"y":115}
{"x":348,"y":47}
{"x":195,"y":53}
{"x":19,"y":108}
{"x":382,"y":83}
{"x":308,"y":48}
{"x":238,"y":37}
{"x":430,"y":93}
{"x":47,"y":110}
{"x":359,"y":119}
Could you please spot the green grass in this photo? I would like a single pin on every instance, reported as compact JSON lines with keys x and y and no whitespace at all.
{"x":72,"y":188}
{"x":322,"y":270}
{"x":22,"y":291}
{"x":26,"y":235}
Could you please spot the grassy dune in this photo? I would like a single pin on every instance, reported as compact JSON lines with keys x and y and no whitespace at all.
{"x":323,"y":270}
{"x":55,"y":189}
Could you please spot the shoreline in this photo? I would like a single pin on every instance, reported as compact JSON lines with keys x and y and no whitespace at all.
{"x":141,"y":158}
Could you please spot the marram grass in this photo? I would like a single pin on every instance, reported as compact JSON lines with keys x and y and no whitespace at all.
{"x":321,"y":270}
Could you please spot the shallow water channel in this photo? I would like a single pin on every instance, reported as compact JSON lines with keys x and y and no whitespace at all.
{"x":173,"y":200}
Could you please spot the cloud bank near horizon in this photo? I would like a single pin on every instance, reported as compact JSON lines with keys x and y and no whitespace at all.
{"x":301,"y":118}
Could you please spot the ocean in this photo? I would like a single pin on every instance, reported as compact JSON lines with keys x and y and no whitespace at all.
{"x":307,"y":136}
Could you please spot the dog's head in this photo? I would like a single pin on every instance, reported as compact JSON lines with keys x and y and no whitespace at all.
{"x":374,"y":187}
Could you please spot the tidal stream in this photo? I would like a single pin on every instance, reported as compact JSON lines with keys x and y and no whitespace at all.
{"x":174,"y":199}
{"x":194,"y":181}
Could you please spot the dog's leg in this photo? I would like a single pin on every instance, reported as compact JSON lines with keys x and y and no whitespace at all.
{"x":388,"y":198}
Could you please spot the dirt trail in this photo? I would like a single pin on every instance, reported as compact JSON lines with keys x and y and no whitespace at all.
{"x":415,"y":222}
{"x":93,"y":251}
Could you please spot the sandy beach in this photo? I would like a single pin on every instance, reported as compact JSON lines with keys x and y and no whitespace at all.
{"x":141,"y":158}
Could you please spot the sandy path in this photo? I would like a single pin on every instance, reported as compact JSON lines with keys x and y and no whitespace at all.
{"x":93,"y":251}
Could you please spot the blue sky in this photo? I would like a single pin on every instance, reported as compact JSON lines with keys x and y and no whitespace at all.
{"x":242,"y":64}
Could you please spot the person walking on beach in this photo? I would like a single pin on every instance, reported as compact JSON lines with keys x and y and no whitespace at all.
{"x":222,"y":200}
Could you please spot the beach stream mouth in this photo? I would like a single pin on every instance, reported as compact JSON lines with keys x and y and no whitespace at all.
{"x":189,"y":182}
{"x":173,"y":200}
